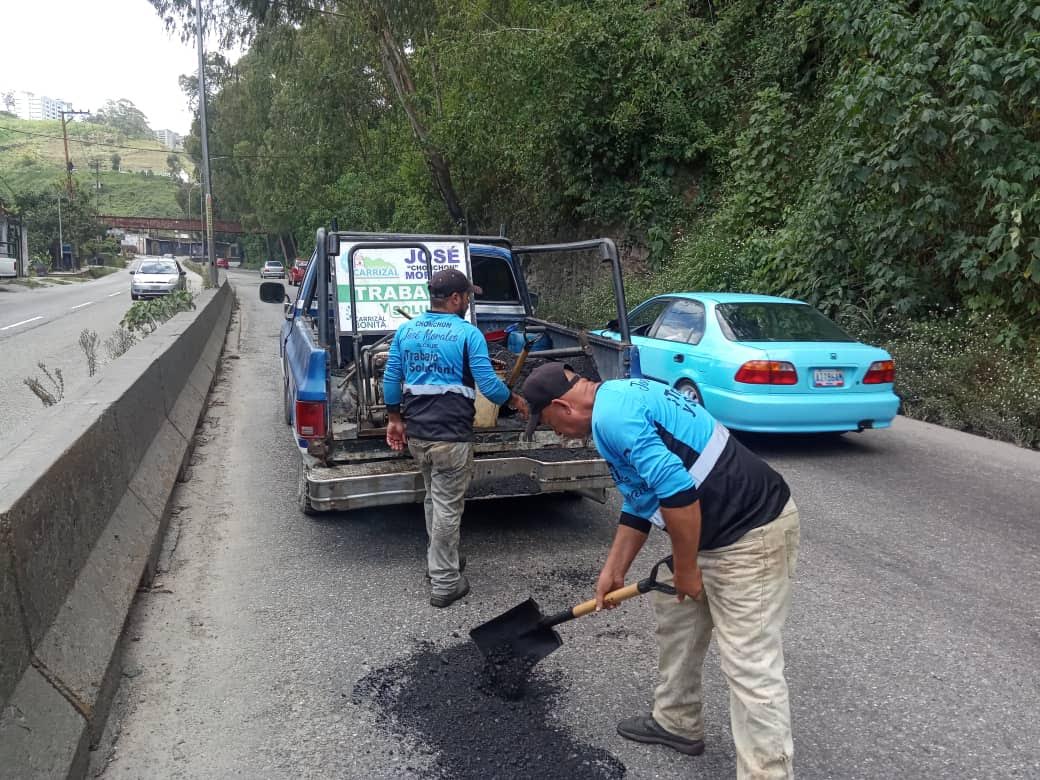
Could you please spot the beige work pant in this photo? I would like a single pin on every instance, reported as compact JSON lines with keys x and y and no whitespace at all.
{"x":747,"y":592}
{"x":447,"y":467}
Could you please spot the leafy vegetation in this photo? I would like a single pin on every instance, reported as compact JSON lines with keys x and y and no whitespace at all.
{"x":144,"y":317}
{"x":878,"y":159}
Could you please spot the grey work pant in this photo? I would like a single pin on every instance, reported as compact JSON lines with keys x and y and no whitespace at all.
{"x":747,"y":593}
{"x":447,"y":467}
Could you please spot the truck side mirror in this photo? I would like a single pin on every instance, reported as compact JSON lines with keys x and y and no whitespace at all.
{"x":534,"y":299}
{"x":612,"y":325}
{"x":272,"y":292}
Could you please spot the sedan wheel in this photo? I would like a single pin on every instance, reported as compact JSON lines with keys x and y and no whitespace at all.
{"x":690,"y":391}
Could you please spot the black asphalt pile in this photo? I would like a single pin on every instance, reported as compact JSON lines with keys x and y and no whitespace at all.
{"x":505,"y":674}
{"x":442,"y":698}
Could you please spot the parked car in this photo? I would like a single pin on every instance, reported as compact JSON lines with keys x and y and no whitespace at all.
{"x":297,"y":271}
{"x":272,"y":269}
{"x":761,"y":363}
{"x":222,"y":262}
{"x":155,"y":277}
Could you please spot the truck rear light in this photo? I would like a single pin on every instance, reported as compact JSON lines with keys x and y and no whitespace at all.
{"x":310,"y":419}
{"x":880,"y":372}
{"x":767,"y":372}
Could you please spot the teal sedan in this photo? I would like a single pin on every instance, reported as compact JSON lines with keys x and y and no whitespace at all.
{"x":761,"y":363}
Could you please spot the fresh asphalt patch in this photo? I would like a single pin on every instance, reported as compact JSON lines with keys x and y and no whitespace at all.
{"x":440,"y":698}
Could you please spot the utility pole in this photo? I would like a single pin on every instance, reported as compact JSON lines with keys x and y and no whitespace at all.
{"x":97,"y":187}
{"x":61,"y":238}
{"x":203,"y":129}
{"x":65,"y":135}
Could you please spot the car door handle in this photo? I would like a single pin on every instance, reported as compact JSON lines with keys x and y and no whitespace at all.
{"x":678,"y":358}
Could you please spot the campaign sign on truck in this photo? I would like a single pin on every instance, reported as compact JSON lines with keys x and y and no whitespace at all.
{"x":390,"y":281}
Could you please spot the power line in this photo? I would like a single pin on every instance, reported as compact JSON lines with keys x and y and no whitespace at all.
{"x":86,"y":141}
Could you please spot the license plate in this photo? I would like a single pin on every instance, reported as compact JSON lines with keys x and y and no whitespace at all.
{"x":828,"y":377}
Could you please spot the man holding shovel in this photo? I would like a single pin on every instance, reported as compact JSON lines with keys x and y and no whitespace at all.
{"x":734,"y":533}
{"x":436,"y":362}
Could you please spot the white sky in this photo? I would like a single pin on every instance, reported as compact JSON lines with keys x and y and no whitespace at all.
{"x":90,"y":51}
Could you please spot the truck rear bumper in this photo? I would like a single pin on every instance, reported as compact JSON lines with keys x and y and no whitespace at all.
{"x":398,"y":481}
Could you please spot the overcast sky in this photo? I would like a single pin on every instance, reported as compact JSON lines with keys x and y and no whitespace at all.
{"x":87,"y":52}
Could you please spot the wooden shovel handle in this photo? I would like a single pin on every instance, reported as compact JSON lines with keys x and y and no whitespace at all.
{"x":518,"y":366}
{"x":615,"y":597}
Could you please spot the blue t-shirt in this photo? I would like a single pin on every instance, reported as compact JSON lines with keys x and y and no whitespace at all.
{"x":434,"y":365}
{"x":665,"y":450}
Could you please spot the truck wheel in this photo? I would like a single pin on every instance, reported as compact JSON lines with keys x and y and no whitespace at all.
{"x":689,"y":389}
{"x":302,"y":500}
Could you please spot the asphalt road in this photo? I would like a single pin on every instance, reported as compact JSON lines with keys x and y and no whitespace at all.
{"x":912,"y":647}
{"x":44,"y":325}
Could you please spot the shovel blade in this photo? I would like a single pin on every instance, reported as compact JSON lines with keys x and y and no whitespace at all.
{"x":517,"y":633}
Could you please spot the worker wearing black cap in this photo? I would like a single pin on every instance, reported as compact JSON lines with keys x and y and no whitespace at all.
{"x":435,"y":364}
{"x":734,"y":533}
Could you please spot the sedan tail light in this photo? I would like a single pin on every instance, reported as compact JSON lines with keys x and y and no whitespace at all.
{"x":310,"y":419}
{"x":880,"y":372}
{"x":767,"y":372}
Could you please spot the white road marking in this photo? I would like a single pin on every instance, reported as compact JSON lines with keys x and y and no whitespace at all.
{"x":23,"y":322}
{"x":81,"y":305}
{"x":113,"y":295}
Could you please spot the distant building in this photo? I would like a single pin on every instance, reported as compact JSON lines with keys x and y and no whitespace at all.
{"x":29,"y":105}
{"x":169,"y":139}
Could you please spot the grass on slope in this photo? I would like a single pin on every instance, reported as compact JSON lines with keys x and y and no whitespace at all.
{"x":34,"y":162}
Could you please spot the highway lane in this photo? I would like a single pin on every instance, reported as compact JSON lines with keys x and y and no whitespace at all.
{"x":44,"y":325}
{"x":911,"y":648}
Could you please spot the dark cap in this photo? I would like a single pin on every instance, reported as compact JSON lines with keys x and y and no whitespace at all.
{"x":545,"y":383}
{"x":451,"y":280}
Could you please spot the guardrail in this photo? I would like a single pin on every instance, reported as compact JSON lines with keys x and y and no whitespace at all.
{"x":83,"y":501}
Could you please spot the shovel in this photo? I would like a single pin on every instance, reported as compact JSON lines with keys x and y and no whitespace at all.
{"x":524,"y":636}
{"x":518,"y":366}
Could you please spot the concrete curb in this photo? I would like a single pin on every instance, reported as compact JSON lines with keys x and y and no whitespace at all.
{"x":82,"y":513}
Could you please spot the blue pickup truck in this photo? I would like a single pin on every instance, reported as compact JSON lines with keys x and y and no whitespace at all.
{"x":334,"y":344}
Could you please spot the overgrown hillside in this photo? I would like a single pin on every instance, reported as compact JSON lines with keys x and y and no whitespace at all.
{"x":879,"y":159}
{"x":32,"y":159}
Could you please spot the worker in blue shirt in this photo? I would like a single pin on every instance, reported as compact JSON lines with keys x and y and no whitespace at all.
{"x":435,"y":364}
{"x":734,"y":533}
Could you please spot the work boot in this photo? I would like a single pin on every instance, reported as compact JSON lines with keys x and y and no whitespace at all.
{"x":462,"y":566}
{"x":643,"y":728}
{"x":442,"y":600}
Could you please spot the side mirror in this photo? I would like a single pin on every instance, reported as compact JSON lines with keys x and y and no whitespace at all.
{"x":272,"y":292}
{"x":184,"y":273}
{"x":535,"y":297}
{"x":612,"y":325}
{"x":131,"y":272}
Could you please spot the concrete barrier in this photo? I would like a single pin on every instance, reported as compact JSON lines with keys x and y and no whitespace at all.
{"x":82,"y":512}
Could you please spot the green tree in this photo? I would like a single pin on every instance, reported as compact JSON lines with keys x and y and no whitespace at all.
{"x":116,"y":160}
{"x":124,"y":116}
{"x":39,"y":211}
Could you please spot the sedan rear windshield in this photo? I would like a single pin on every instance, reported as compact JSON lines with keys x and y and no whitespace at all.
{"x":776,"y":322}
{"x":157,"y":268}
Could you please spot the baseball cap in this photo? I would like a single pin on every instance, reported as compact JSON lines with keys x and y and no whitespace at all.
{"x":451,"y":280}
{"x":542,"y":386}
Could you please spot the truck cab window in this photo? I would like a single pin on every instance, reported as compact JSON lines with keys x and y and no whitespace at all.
{"x":495,"y":278}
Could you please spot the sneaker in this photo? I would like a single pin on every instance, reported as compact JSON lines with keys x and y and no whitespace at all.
{"x":442,"y":600}
{"x":462,"y":566}
{"x":643,"y":728}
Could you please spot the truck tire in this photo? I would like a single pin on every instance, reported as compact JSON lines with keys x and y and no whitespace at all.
{"x":302,"y":499}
